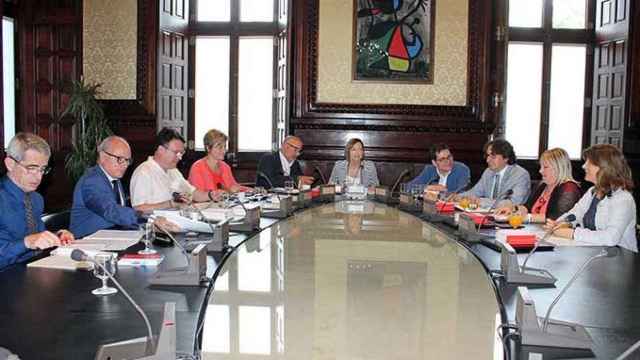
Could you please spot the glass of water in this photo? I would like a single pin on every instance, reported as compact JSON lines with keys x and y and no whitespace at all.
{"x":147,"y":238}
{"x":288,"y":185}
{"x":108,"y":264}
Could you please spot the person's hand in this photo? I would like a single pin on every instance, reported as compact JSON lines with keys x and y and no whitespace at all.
{"x":181,"y":198}
{"x":41,"y":240}
{"x":66,"y":237}
{"x":504,"y":211}
{"x":306,"y":180}
{"x":550,"y":224}
{"x":563,"y":232}
{"x":437,"y":188}
{"x":167,"y":225}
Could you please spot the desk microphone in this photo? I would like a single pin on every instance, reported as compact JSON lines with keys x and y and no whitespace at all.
{"x":505,"y":196}
{"x":260,"y":174}
{"x":629,"y":351}
{"x":611,"y":251}
{"x":402,"y":175}
{"x":569,"y":219}
{"x":182,"y":249}
{"x":79,"y":255}
{"x":316,"y":169}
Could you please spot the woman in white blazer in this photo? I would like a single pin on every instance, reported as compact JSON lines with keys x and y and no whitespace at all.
{"x":606,"y":213}
{"x":354,"y":170}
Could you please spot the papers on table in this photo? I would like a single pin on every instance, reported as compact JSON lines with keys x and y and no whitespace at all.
{"x":184,"y":223}
{"x":107,"y":240}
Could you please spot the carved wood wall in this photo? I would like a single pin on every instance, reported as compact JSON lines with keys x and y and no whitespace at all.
{"x":396,"y":136}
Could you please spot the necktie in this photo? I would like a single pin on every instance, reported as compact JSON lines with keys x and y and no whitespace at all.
{"x":28,"y":213}
{"x":116,"y":191}
{"x":496,"y":186}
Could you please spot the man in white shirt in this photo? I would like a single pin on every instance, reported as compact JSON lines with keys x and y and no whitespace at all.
{"x":154,"y":182}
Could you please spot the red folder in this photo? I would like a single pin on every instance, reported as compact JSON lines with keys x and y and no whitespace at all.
{"x":523,"y":241}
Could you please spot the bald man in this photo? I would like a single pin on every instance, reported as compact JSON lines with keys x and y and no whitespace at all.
{"x":274,"y":169}
{"x":99,"y":200}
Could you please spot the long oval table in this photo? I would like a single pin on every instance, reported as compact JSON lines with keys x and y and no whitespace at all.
{"x":352,"y":280}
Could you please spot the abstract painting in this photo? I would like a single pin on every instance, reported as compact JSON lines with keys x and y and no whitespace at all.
{"x":393,"y":40}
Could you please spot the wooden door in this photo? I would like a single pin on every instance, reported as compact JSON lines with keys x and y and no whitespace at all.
{"x":610,"y":72}
{"x":173,"y":50}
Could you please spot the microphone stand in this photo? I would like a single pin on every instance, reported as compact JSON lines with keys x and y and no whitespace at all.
{"x":542,"y":240}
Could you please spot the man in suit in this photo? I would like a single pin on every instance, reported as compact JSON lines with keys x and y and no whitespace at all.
{"x":501,"y":176}
{"x":99,"y":200}
{"x":274,"y":169}
{"x":21,"y":228}
{"x":443,"y":174}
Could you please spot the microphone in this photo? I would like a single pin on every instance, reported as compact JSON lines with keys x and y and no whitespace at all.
{"x":260,"y":174}
{"x":316,"y":169}
{"x":612,"y":251}
{"x":79,"y":255}
{"x":569,"y":219}
{"x":629,"y":351}
{"x":504,"y":196}
{"x":182,"y":249}
{"x":402,"y":175}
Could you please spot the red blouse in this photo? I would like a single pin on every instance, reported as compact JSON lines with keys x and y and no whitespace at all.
{"x":203,"y":178}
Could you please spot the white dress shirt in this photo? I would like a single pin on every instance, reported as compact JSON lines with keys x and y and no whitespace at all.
{"x":286,"y":165}
{"x":443,"y":178}
{"x":151,"y":184}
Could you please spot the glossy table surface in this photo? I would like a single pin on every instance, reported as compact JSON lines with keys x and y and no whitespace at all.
{"x":351,"y":280}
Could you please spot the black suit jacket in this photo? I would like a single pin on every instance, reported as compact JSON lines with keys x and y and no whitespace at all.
{"x":271,"y":166}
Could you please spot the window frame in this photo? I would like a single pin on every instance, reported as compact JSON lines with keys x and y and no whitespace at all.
{"x":8,"y":10}
{"x":547,"y":36}
{"x":234,"y":29}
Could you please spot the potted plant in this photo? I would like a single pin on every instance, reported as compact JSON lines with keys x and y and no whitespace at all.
{"x":90,"y":128}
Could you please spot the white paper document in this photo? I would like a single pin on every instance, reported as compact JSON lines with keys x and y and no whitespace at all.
{"x":109,"y":240}
{"x":184,"y":223}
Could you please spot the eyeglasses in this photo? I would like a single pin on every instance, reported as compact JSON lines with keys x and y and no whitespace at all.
{"x":491,"y":155}
{"x":443,"y":159}
{"x":179,"y":154}
{"x":121,"y":160}
{"x":298,"y":149}
{"x":33,"y":169}
{"x":220,"y":146}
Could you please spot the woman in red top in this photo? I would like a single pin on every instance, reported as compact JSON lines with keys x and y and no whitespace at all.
{"x":557,"y":193}
{"x":211,"y":172}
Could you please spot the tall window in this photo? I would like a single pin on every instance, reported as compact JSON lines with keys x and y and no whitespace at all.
{"x":8,"y":76}
{"x":234,"y":72}
{"x":547,"y":57}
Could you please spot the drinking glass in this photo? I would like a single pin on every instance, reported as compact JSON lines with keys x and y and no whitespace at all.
{"x":147,"y":239}
{"x":109,"y":263}
{"x":288,"y":185}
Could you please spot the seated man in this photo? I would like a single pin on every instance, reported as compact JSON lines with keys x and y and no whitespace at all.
{"x":154,"y":182}
{"x":99,"y":200}
{"x":275,"y":168}
{"x":21,"y":228}
{"x":443,"y":174}
{"x":501,"y":176}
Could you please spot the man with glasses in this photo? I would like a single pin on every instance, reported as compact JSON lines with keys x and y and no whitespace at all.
{"x":155,"y":181}
{"x":21,"y":228}
{"x":99,"y":199}
{"x":274,"y":169}
{"x":443,"y":174}
{"x":501,"y":176}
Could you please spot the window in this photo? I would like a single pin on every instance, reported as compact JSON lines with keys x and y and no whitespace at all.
{"x":8,"y":76}
{"x":234,"y":72}
{"x":546,"y":72}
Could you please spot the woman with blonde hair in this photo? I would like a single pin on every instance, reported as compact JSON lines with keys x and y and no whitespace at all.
{"x":556,"y":194}
{"x":211,"y":173}
{"x":606,"y":213}
{"x":354,"y":170}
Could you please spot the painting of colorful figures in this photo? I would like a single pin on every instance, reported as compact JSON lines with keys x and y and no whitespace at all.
{"x":393,"y":40}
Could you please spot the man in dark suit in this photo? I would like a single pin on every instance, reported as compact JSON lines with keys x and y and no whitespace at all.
{"x":274,"y":169}
{"x":99,"y":200}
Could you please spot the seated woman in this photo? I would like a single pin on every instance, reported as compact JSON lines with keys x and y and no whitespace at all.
{"x":606,"y":213}
{"x":354,"y":170}
{"x":557,"y":193}
{"x":211,"y":172}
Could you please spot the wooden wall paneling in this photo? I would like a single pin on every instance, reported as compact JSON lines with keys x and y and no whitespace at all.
{"x":394,"y":135}
{"x":2,"y":120}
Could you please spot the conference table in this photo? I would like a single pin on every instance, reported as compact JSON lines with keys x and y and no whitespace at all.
{"x":343,"y":280}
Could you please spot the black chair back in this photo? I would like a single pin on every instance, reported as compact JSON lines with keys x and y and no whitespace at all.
{"x":57,"y":221}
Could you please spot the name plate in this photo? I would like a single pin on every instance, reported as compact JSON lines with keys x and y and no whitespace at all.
{"x":406,"y":199}
{"x":381,"y":191}
{"x":466,"y":223}
{"x":327,"y":190}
